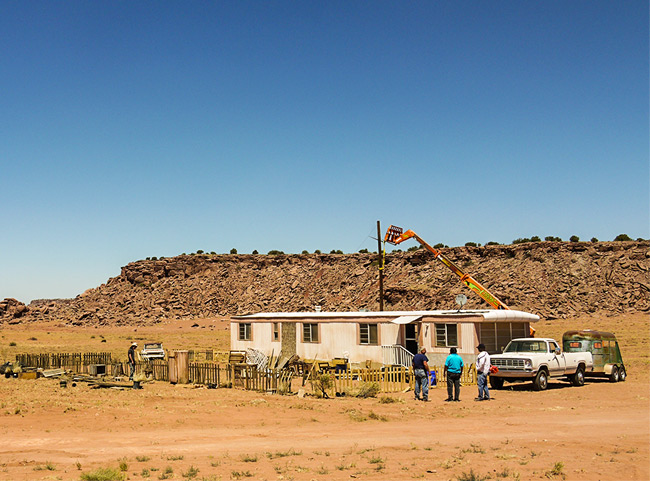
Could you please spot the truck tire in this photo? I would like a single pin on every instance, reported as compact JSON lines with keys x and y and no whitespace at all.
{"x":622,"y":374}
{"x":541,"y":381}
{"x":578,"y":379}
{"x":496,"y":382}
{"x":614,"y":376}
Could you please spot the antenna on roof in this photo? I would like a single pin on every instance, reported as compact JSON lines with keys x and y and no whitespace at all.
{"x":461,"y":300}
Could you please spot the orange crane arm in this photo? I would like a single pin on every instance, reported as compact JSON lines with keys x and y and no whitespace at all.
{"x":395,"y":236}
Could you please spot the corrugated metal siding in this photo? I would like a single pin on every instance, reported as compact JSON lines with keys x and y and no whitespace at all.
{"x":467,"y":338}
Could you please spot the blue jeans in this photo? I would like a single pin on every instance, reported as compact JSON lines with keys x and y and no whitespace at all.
{"x":421,"y":381}
{"x":483,"y":390}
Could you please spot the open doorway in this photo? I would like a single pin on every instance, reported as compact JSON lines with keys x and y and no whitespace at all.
{"x":411,"y":338}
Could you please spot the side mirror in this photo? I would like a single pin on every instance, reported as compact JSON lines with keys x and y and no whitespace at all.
{"x":557,"y":351}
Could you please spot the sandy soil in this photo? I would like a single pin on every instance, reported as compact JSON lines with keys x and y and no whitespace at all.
{"x":597,"y":432}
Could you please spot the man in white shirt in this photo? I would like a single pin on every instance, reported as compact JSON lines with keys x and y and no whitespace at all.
{"x":482,"y":370}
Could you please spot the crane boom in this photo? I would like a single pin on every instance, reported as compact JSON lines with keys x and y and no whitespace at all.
{"x":395,"y":235}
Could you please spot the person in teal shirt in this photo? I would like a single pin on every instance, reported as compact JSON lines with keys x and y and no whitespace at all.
{"x":453,"y":371}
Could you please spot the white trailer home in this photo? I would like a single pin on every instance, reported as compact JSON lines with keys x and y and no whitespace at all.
{"x":388,"y":337}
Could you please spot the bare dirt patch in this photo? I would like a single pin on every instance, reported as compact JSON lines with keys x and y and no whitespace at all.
{"x":599,"y":431}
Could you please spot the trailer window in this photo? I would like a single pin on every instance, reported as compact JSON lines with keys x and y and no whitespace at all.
{"x":244,"y":331}
{"x":368,"y":334}
{"x":446,"y":335}
{"x":310,"y":333}
{"x":276,"y":331}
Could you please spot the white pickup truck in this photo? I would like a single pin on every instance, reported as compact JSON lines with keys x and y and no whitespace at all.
{"x":537,"y":360}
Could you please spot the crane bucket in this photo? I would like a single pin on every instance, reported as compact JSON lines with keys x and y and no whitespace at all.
{"x":392,"y":234}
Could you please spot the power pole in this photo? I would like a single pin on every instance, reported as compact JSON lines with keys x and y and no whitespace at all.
{"x":381,"y":268}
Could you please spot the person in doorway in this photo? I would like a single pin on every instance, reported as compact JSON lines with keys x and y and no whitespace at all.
{"x":482,"y":370}
{"x":131,"y":357}
{"x":453,"y":371}
{"x":421,"y":372}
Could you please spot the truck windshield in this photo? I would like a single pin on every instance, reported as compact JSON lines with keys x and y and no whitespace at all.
{"x":526,"y":346}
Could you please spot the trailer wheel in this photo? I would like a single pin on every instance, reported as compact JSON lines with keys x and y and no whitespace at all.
{"x":496,"y":382}
{"x":578,"y":379}
{"x":614,"y":376}
{"x":541,"y":380}
{"x":622,"y":375}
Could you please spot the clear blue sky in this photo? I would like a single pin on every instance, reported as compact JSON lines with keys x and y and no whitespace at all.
{"x":137,"y":129}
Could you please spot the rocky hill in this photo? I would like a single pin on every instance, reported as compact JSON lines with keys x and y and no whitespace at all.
{"x":552,"y":279}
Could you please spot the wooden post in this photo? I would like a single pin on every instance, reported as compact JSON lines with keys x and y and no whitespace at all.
{"x":381,"y":268}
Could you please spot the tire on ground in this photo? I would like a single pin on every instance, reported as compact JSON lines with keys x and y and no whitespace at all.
{"x":541,"y":380}
{"x":496,"y":382}
{"x":578,"y":379}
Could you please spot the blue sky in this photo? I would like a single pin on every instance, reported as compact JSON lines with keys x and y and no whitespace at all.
{"x":137,"y":129}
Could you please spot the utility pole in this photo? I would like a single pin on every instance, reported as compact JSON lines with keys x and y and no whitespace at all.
{"x":381,"y":268}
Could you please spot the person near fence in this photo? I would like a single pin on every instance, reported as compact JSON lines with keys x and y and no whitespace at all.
{"x":453,"y":371}
{"x":131,"y":357}
{"x":421,"y":372}
{"x":482,"y":370}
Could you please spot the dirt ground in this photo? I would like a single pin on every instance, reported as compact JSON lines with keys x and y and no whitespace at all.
{"x":597,"y":432}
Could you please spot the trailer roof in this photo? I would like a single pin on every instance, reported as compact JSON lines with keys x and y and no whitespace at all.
{"x":490,"y":315}
{"x":589,"y":334}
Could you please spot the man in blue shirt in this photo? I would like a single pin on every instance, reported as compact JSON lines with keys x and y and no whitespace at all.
{"x":453,"y":371}
{"x":420,"y":365}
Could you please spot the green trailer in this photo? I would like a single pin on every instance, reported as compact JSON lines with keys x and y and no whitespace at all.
{"x":603,"y":346}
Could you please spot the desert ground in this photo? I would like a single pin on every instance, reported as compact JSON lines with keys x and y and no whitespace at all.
{"x":597,"y":432}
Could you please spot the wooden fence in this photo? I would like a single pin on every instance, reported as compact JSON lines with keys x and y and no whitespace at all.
{"x":467,"y":379}
{"x":392,"y":379}
{"x":239,"y":375}
{"x":243,"y":376}
{"x":389,"y":379}
{"x":157,"y":369}
{"x":77,"y":362}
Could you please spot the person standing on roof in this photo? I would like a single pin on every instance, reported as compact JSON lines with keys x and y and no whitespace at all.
{"x":420,"y":365}
{"x":131,"y":357}
{"x":453,"y":371}
{"x":482,"y":370}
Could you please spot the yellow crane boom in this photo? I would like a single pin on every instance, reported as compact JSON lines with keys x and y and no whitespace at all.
{"x":395,"y":235}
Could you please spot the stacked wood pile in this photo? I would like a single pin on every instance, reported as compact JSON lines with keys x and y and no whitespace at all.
{"x":552,"y":279}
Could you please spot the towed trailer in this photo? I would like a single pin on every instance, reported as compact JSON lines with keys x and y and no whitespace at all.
{"x":604,"y":348}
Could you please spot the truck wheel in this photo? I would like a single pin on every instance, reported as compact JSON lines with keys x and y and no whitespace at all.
{"x":578,"y":379}
{"x":622,"y":375}
{"x":496,"y":382}
{"x":614,"y":376}
{"x":541,"y":381}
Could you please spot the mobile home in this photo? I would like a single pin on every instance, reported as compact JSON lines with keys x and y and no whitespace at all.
{"x":388,"y":337}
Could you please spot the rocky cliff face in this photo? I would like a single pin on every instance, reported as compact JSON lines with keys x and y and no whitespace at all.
{"x":552,"y":279}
